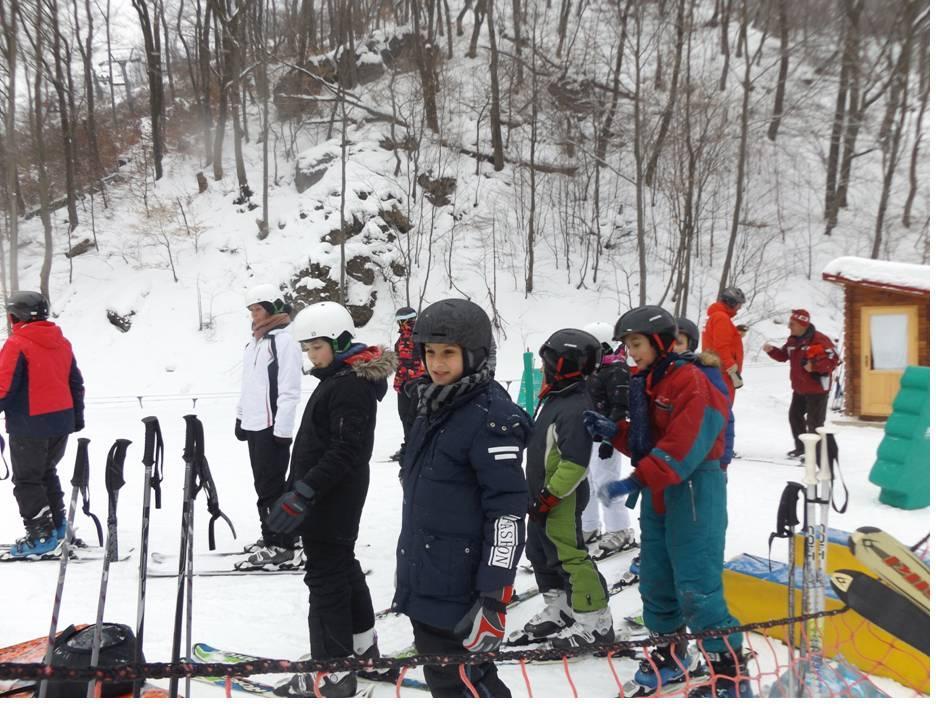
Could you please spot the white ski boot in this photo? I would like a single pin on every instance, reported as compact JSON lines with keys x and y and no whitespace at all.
{"x":589,"y":629}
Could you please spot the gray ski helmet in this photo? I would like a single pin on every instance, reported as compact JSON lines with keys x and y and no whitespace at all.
{"x":405,"y":313}
{"x":650,"y":320}
{"x":691,"y":330}
{"x":26,"y":306}
{"x":570,"y":353}
{"x":459,"y":322}
{"x":732,"y":296}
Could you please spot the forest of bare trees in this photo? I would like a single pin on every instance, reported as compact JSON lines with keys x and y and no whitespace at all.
{"x":640,"y":134}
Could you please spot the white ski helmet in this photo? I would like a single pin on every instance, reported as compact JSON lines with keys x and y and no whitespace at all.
{"x":601,"y":331}
{"x":324,"y":319}
{"x":269,"y":296}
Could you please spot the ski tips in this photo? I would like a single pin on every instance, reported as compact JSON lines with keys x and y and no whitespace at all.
{"x":841,"y":581}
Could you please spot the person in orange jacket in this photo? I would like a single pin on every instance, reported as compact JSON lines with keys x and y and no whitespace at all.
{"x":722,"y":337}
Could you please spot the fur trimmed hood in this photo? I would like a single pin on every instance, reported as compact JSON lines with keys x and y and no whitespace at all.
{"x":709,"y":359}
{"x":373,"y":363}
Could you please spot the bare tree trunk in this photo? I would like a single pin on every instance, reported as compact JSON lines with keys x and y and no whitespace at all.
{"x":232,"y":39}
{"x":426,"y":71}
{"x":85,"y":51}
{"x":667,"y":117}
{"x":263,"y":88}
{"x":479,"y":10}
{"x":204,"y":65}
{"x":725,"y":46}
{"x":496,"y":139}
{"x":9,"y":154}
{"x":150,"y":28}
{"x":782,"y":74}
{"x":531,"y":222}
{"x":225,"y":73}
{"x":168,"y":54}
{"x":918,"y":137}
{"x":518,"y":42}
{"x":110,"y":66}
{"x":68,"y":137}
{"x":742,"y":152}
{"x":638,"y":158}
{"x":852,"y":10}
{"x":563,"y":24}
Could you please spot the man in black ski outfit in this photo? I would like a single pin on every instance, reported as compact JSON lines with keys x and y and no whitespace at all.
{"x":328,"y":481}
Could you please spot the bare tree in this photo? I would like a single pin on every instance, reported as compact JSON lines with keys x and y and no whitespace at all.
{"x":9,"y":147}
{"x":638,"y":154}
{"x":59,"y":49}
{"x":425,"y":61}
{"x":780,"y":90}
{"x":923,"y":80}
{"x":667,"y":116}
{"x":496,"y":140}
{"x":151,"y":41}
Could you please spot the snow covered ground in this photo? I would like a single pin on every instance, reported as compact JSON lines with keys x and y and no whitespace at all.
{"x":266,"y":615}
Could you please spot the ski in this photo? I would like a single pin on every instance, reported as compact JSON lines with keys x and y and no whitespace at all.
{"x":207,"y":654}
{"x":895,"y":564}
{"x":172,"y":558}
{"x":600,"y":555}
{"x":77,"y":555}
{"x":889,"y":609}
{"x":156,"y":573}
{"x":792,"y":462}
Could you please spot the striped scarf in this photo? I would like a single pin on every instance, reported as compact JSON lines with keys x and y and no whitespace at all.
{"x":435,"y":397}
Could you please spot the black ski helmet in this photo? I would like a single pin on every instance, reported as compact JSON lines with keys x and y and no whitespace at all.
{"x":570,"y":353}
{"x":732,"y":296}
{"x":405,"y":313}
{"x":691,"y":330}
{"x":27,"y":306}
{"x":650,"y":320}
{"x":459,"y":322}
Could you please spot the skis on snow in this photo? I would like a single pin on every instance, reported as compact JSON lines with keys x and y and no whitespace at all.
{"x":896,"y":565}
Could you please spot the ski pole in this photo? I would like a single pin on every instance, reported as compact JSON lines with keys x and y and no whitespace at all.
{"x":812,"y":636}
{"x":188,"y":454}
{"x":79,"y":479}
{"x":153,"y":463}
{"x":113,"y":480}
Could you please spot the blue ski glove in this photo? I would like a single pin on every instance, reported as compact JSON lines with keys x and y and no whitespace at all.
{"x":612,"y":490}
{"x":598,"y":426}
{"x":483,"y":626}
{"x":289,"y":510}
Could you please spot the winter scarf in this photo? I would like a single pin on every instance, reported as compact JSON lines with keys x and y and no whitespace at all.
{"x":272,"y":322}
{"x":436,"y":397}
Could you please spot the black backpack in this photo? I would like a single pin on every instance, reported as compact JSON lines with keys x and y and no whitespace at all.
{"x":73,"y":650}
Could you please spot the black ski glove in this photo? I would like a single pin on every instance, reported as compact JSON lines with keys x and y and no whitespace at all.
{"x":288,"y":511}
{"x":79,"y":424}
{"x":482,"y":628}
{"x":282,"y":441}
{"x":605,"y":449}
{"x":239,"y":433}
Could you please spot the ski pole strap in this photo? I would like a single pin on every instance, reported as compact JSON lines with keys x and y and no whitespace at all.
{"x":787,"y":518}
{"x":153,"y":452}
{"x":206,"y":482}
{"x":80,"y":480}
{"x":6,"y":467}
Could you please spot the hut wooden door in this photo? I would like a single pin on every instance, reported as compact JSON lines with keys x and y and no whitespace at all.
{"x":888,"y":345}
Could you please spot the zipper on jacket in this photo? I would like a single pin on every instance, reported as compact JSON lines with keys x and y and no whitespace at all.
{"x":692,"y":500}
{"x":340,"y":427}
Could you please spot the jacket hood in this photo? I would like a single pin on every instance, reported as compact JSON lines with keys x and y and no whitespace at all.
{"x":373,"y":363}
{"x":720,"y":308}
{"x":709,"y":359}
{"x":43,"y":333}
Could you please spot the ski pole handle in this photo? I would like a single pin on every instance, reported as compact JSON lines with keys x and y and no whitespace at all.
{"x":114,"y":478}
{"x":825,"y":466}
{"x":82,"y":471}
{"x":192,"y":426}
{"x":149,"y":441}
{"x":810,"y":441}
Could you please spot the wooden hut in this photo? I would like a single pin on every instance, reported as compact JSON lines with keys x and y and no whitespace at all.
{"x":887,"y":328}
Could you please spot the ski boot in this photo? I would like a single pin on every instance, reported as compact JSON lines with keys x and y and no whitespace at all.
{"x":556,"y":615}
{"x":254,"y":547}
{"x":337,"y":685}
{"x":40,"y":541}
{"x":591,"y":536}
{"x":614,"y":542}
{"x":272,"y":559}
{"x":668,"y":664}
{"x":365,"y":649}
{"x":61,"y":529}
{"x":730,"y":678}
{"x":589,"y":629}
{"x":635,"y":566}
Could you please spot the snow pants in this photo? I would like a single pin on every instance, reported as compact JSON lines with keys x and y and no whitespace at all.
{"x":339,"y":601}
{"x":682,"y":553}
{"x":560,"y":559}
{"x":601,"y":471}
{"x":444,"y":681}
{"x":35,"y":480}
{"x":269,"y":462}
{"x":807,"y":412}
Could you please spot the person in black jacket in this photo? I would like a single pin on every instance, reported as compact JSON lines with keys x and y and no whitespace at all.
{"x":464,"y":498}
{"x":328,"y":481}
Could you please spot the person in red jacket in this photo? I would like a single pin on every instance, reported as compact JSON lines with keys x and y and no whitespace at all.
{"x":410,"y":367}
{"x":722,"y":337}
{"x":42,"y":394}
{"x":812,"y":357}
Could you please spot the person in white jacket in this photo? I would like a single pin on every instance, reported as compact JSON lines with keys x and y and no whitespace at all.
{"x":266,"y":413}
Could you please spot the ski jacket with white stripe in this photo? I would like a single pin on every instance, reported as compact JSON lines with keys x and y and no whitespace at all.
{"x":464,"y":502}
{"x":270,"y":383}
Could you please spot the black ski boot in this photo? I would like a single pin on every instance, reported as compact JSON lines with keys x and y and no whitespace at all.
{"x":375,"y":675}
{"x":730,"y":679}
{"x":339,"y":685}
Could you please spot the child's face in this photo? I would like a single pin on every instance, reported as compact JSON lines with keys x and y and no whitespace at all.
{"x":444,"y":362}
{"x":640,"y":349}
{"x":257,"y":313}
{"x":320,"y":352}
{"x":682,"y":343}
